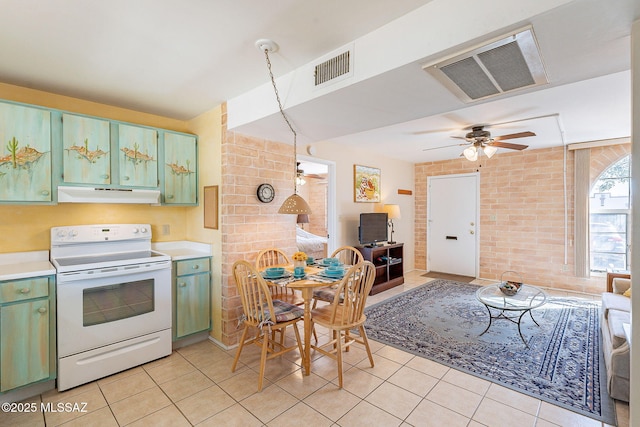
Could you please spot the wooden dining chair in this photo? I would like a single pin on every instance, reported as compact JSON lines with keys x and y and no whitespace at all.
{"x":272,"y":257}
{"x":345,"y":314}
{"x":267,"y":315}
{"x":348,"y":255}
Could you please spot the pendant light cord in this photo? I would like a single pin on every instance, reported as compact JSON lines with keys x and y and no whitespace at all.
{"x":295,"y":135}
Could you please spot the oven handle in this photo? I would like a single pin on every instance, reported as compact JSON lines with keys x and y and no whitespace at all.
{"x":120,"y":270}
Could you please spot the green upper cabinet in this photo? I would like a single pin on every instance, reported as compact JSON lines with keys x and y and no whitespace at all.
{"x":180,"y":165}
{"x":25,"y":154}
{"x":86,"y":158}
{"x":137,"y":156}
{"x":42,"y":149}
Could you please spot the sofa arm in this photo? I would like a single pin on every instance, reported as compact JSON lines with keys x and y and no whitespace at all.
{"x":620,"y":285}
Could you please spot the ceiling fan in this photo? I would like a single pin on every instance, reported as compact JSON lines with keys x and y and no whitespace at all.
{"x":480,"y":140}
{"x":300,"y":175}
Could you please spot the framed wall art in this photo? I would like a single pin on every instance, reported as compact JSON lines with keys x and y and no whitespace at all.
{"x":366,"y":184}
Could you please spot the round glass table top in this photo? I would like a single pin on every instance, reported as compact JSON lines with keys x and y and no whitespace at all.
{"x":528,"y":298}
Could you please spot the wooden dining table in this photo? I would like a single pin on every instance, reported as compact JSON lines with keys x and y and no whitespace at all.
{"x":306,"y":286}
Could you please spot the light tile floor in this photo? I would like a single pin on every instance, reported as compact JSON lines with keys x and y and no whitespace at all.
{"x":195,"y":386}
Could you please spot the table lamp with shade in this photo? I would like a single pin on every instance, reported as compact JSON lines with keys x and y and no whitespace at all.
{"x":393,"y":212}
{"x":302,"y":219}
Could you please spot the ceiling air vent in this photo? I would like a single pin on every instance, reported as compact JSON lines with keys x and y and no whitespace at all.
{"x":504,"y":65}
{"x":337,"y":67}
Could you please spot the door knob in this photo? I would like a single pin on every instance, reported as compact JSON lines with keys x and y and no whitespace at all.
{"x":472,"y":232}
{"x":472,"y":223}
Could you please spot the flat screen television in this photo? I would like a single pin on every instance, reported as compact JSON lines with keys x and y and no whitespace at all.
{"x":373,"y":228}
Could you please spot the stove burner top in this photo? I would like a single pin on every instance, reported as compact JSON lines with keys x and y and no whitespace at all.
{"x":107,"y":258}
{"x":89,"y":249}
{"x":96,"y":261}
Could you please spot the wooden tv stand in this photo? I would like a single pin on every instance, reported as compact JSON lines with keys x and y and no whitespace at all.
{"x":388,"y":260}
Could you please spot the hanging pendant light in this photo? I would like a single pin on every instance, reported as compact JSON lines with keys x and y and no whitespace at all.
{"x":294,"y":204}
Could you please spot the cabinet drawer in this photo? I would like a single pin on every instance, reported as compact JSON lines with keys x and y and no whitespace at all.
{"x":18,"y":290}
{"x":192,"y":266}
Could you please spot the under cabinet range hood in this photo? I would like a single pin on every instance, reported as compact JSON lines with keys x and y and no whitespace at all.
{"x":107,"y":195}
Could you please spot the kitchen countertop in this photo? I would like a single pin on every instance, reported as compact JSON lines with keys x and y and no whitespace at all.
{"x":183,"y":249}
{"x":22,"y":265}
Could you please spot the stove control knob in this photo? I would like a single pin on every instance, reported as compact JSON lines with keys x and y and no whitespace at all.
{"x":73,"y":233}
{"x":61,"y":233}
{"x":144,"y":230}
{"x":135,"y":230}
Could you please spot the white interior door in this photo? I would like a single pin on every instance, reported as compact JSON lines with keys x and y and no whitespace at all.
{"x":452,"y":224}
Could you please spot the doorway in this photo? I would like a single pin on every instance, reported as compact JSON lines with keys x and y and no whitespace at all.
{"x":452,"y":224}
{"x":316,"y":178}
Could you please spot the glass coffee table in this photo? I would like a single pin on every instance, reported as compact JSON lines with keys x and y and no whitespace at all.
{"x":527,"y":298}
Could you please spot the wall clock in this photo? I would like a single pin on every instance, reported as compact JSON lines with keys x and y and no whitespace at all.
{"x":266,"y":193}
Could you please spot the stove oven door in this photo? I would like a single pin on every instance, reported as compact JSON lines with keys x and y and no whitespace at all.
{"x":102,"y":307}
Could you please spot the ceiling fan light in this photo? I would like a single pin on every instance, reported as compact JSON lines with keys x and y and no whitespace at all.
{"x":471,"y":153}
{"x":490,"y":150}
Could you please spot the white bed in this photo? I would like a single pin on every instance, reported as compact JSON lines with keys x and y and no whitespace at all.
{"x":314,"y":246}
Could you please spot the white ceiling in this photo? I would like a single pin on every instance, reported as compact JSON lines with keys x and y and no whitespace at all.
{"x":180,"y":58}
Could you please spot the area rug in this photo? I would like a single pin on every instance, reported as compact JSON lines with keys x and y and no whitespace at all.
{"x":442,"y":320}
{"x":447,"y":276}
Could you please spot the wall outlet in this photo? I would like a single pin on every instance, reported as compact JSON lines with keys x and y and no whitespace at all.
{"x":166,"y":229}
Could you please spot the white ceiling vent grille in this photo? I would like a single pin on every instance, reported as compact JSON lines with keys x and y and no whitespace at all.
{"x":333,"y":69}
{"x":503,"y":65}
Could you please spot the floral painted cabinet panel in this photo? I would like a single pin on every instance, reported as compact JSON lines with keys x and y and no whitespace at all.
{"x":25,"y":154}
{"x":180,"y":158}
{"x":138,"y":156}
{"x":86,"y":158}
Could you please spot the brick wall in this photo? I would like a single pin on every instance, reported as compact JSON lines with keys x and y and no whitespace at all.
{"x":603,"y":157}
{"x":318,"y":202}
{"x":248,"y":225}
{"x":522,"y":213}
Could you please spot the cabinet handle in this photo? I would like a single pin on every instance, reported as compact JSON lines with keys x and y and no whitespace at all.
{"x":45,"y":192}
{"x":104,"y":176}
{"x":196,"y":266}
{"x":182,"y":284}
{"x":25,"y":290}
{"x":125,"y":178}
{"x":169,"y":196}
{"x":42,"y":310}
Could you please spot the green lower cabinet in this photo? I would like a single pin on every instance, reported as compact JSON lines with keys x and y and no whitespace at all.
{"x":191,"y":297}
{"x":27,"y":332}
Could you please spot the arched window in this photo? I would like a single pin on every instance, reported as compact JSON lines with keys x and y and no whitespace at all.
{"x":610,"y":218}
